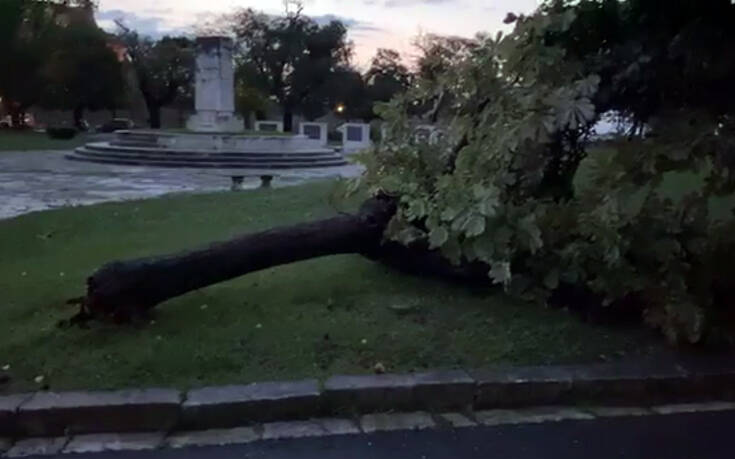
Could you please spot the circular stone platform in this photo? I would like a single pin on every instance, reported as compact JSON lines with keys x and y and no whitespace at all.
{"x":256,"y":154}
{"x":235,"y":155}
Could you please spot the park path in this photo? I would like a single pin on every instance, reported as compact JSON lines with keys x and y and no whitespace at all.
{"x":32,"y":181}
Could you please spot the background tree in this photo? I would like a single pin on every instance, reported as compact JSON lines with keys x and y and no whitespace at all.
{"x":387,"y":76}
{"x":293,"y":57}
{"x":652,"y":62}
{"x":251,"y":92}
{"x":438,"y":55}
{"x":164,"y":69}
{"x":82,"y":72}
{"x":346,"y":88}
{"x":26,"y":39}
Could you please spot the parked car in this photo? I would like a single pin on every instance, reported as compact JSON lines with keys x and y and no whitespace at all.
{"x":116,"y":124}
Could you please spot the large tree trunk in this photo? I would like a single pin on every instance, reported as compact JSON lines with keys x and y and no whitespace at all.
{"x":122,"y":290}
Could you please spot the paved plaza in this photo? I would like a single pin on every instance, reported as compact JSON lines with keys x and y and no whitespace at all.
{"x":39,"y":180}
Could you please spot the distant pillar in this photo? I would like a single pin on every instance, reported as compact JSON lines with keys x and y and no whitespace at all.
{"x":215,"y":87}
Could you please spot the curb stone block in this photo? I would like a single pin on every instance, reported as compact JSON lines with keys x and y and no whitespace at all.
{"x":51,"y":414}
{"x":214,"y":437}
{"x":369,"y":393}
{"x":520,"y":386}
{"x":232,"y":406}
{"x":629,"y":383}
{"x":530,"y":415}
{"x":337,"y":426}
{"x":37,"y":447}
{"x":712,"y":377}
{"x":456,"y":420}
{"x":618,"y":411}
{"x":383,"y":422}
{"x":9,"y":411}
{"x":693,"y":408}
{"x":442,"y":390}
{"x":292,"y":429}
{"x":98,"y":443}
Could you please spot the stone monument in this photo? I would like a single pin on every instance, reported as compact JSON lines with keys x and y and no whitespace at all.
{"x":355,"y":137}
{"x":215,"y":88}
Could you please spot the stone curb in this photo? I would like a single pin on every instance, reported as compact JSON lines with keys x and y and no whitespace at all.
{"x":48,"y":414}
{"x":332,"y":427}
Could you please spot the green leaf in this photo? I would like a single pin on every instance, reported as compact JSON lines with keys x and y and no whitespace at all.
{"x":488,"y":207}
{"x":416,"y":209}
{"x":551,"y":280}
{"x":438,"y":237}
{"x":409,"y":235}
{"x":500,"y":273}
{"x":449,"y":214}
{"x":484,"y":248}
{"x":475,"y":226}
{"x":532,"y":233}
{"x":479,"y":191}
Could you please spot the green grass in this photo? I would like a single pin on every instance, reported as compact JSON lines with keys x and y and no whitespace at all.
{"x":675,"y":185}
{"x":29,"y":140}
{"x":340,"y":314}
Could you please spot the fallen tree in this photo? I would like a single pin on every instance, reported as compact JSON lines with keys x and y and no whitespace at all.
{"x":499,"y":195}
{"x":124,"y":290}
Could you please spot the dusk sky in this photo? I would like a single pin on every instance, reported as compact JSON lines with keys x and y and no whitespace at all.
{"x":372,"y":23}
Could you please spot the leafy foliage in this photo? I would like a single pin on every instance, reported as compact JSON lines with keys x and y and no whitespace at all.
{"x":498,"y":187}
{"x":26,"y":34}
{"x":82,"y":72}
{"x":164,"y":69}
{"x":291,"y":57}
{"x":58,"y":57}
{"x":387,"y":76}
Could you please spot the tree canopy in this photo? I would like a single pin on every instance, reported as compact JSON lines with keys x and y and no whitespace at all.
{"x":164,"y":69}
{"x":293,"y":58}
{"x":502,"y":186}
{"x":26,"y":34}
{"x":58,"y":58}
{"x":82,"y":72}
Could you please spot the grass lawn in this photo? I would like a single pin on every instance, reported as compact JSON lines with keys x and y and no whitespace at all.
{"x":339,"y":314}
{"x":29,"y":140}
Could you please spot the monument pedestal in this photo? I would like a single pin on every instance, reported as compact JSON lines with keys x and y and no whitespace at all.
{"x":214,"y":121}
{"x":215,"y":88}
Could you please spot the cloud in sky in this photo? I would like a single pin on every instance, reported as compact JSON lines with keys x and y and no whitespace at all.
{"x":153,"y":23}
{"x":372,"y":23}
{"x":350,"y":23}
{"x":400,"y":3}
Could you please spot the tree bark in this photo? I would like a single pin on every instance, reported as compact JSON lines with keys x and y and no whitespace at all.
{"x":123,"y":290}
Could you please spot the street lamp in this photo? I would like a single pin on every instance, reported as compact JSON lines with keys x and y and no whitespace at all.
{"x":340,"y":108}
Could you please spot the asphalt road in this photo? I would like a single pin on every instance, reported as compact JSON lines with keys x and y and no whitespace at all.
{"x":689,"y":436}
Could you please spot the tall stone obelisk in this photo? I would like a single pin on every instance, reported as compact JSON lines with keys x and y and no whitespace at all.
{"x":215,"y":87}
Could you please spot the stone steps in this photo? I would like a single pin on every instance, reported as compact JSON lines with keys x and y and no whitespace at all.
{"x":165,"y":153}
{"x":211,"y":162}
